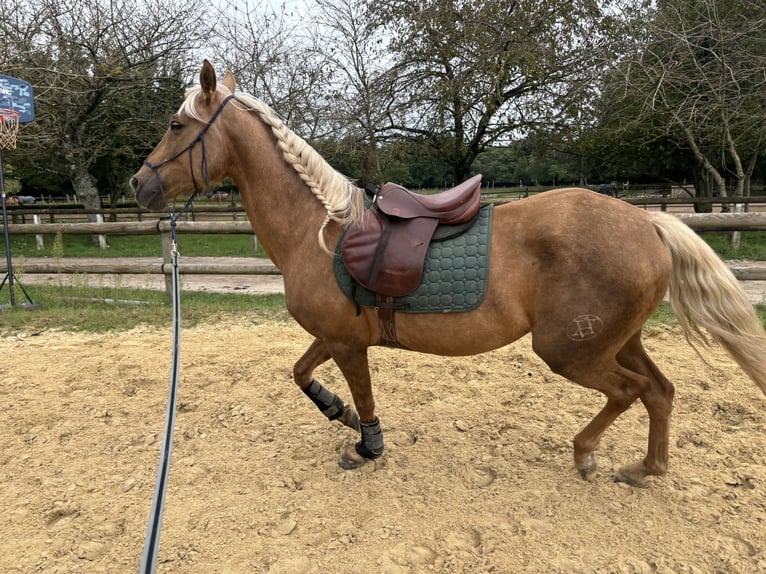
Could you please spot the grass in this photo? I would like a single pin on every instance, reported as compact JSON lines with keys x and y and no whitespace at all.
{"x":92,"y":309}
{"x":202,"y":245}
{"x":664,"y":316}
{"x":752,"y":244}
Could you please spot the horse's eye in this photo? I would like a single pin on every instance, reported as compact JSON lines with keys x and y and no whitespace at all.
{"x":176,"y":126}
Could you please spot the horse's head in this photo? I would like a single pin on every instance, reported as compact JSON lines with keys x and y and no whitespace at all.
{"x":190,"y":154}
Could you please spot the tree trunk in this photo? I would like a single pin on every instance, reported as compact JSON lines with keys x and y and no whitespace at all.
{"x":702,"y":186}
{"x":371,"y":170}
{"x":741,"y":181}
{"x":707,"y":167}
{"x":746,"y":190}
{"x":85,"y":188}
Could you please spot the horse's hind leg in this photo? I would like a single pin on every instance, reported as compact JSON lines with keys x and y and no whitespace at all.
{"x":623,"y":379}
{"x":658,"y":400}
{"x":330,"y":404}
{"x":587,"y":441}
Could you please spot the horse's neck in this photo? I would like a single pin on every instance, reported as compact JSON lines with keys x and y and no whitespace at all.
{"x":285,"y":215}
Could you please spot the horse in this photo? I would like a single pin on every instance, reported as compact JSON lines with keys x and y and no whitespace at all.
{"x":580,"y":271}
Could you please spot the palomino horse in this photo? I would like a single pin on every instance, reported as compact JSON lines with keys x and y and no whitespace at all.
{"x":582,"y":272}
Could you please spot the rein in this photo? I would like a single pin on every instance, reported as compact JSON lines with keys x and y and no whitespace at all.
{"x":152,"y":541}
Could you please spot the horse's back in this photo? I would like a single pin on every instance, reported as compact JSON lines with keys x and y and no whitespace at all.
{"x":573,"y":226}
{"x":555,"y":257}
{"x":578,"y":252}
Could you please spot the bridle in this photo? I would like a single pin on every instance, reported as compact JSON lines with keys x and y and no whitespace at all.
{"x":200,"y":138}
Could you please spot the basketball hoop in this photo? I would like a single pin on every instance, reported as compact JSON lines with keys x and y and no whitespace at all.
{"x":9,"y":128}
{"x":17,"y":106}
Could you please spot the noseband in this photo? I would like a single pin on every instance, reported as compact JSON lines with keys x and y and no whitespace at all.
{"x":203,"y":164}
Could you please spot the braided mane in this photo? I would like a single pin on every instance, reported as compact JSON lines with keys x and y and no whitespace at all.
{"x":342,"y":200}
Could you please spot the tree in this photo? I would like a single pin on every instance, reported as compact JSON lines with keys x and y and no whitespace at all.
{"x":694,"y":73}
{"x":359,"y":86}
{"x":273,"y":55}
{"x":470,"y":73}
{"x":104,"y":74}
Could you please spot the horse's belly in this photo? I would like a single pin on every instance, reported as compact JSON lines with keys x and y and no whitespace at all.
{"x":458,"y":334}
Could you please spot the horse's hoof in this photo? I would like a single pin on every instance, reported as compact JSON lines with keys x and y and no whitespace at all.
{"x":587,"y":466}
{"x":630,"y":477}
{"x":350,"y":459}
{"x":588,"y":474}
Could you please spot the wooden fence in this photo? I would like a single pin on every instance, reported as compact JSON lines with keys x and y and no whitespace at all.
{"x":217,"y":266}
{"x":220,"y":266}
{"x":647,"y":196}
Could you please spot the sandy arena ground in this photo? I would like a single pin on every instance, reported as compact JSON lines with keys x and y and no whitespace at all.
{"x":477,"y":475}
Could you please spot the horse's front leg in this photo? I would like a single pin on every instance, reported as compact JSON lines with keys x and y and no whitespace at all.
{"x":352,"y":361}
{"x":330,"y":404}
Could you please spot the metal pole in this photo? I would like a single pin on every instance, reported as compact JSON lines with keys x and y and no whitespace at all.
{"x":8,"y":260}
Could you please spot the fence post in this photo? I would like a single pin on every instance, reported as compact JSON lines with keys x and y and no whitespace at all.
{"x":38,"y":237}
{"x":167,"y":260}
{"x":101,"y":238}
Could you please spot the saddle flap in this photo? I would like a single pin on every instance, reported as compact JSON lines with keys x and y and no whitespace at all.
{"x":387,"y":256}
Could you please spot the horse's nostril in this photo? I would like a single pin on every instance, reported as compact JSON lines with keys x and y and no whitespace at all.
{"x":133,"y":183}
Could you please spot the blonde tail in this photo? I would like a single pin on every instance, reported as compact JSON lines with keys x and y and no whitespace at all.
{"x":704,"y":292}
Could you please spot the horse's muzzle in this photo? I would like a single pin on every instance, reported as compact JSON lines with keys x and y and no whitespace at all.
{"x":148,"y":193}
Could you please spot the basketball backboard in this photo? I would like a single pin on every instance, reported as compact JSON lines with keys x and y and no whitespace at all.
{"x":17,"y":95}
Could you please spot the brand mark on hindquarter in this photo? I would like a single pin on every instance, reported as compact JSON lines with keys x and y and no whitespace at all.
{"x":584,"y":327}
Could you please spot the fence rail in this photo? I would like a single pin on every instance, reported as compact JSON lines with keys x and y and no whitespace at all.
{"x":663,"y":200}
{"x":753,"y":221}
{"x":725,"y":221}
{"x":220,"y":266}
{"x":138,"y":266}
{"x":149,"y":227}
{"x":642,"y":196}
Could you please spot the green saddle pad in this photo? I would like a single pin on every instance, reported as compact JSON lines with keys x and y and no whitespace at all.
{"x":455,"y":276}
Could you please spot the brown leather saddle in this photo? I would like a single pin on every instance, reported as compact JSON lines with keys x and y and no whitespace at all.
{"x":385,"y":252}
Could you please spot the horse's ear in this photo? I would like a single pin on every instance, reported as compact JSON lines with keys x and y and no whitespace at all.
{"x":207,"y":80}
{"x":229,"y":81}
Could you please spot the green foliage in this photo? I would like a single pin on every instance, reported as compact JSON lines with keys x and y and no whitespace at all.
{"x":102,"y":95}
{"x":686,"y":100}
{"x":529,"y":161}
{"x":474,"y":73}
{"x":422,"y":92}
